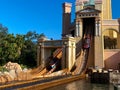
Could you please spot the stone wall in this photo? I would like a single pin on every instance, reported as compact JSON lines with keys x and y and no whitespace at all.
{"x":112,"y":58}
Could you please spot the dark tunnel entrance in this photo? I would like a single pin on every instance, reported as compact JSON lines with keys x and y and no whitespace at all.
{"x":88,"y":26}
{"x":89,"y":32}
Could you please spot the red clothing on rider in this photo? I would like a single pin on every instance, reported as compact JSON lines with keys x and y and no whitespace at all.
{"x":86,"y":43}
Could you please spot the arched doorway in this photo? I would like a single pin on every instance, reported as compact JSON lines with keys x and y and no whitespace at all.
{"x":110,"y":37}
{"x":111,"y":48}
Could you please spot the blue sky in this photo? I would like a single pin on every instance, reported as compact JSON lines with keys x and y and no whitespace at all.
{"x":42,"y":16}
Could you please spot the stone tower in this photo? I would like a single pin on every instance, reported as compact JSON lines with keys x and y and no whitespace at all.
{"x":107,"y":10}
{"x":96,"y":16}
{"x":66,"y":18}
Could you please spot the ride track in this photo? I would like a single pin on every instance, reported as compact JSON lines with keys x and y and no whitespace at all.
{"x":49,"y":80}
{"x":44,"y":83}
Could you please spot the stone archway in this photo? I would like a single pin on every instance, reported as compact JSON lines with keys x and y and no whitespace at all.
{"x":111,"y":38}
{"x":111,"y":48}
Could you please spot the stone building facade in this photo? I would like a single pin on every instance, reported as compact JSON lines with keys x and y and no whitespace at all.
{"x":94,"y":18}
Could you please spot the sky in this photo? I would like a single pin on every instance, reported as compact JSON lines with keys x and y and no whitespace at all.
{"x":42,"y":16}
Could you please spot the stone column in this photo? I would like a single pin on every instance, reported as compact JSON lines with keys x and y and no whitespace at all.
{"x":73,"y":54}
{"x":98,"y":45}
{"x":68,"y":59}
{"x":78,"y":31}
{"x":41,"y":56}
{"x":81,"y":27}
{"x":38,"y":55}
{"x":63,"y":62}
{"x":98,"y":52}
{"x":97,"y":27}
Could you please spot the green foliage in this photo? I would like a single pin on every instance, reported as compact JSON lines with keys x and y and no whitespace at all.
{"x":18,"y":48}
{"x":2,"y":69}
{"x":33,"y":36}
{"x":29,"y":52}
{"x":11,"y":47}
{"x":3,"y":31}
{"x":23,"y":66}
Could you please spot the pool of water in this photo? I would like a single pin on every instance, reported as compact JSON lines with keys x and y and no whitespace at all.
{"x":82,"y":85}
